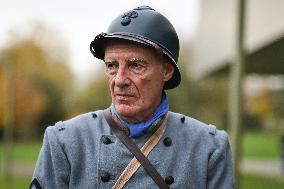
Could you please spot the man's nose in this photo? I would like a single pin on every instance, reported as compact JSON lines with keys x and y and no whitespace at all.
{"x":122,"y":77}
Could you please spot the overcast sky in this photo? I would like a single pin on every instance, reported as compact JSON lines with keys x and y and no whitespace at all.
{"x":80,"y":21}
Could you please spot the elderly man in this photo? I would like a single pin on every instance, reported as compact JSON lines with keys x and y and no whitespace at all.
{"x":137,"y":142}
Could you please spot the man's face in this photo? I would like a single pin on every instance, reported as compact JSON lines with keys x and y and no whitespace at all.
{"x":136,"y":76}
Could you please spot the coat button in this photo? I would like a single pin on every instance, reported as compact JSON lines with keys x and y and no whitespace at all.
{"x":94,"y":115}
{"x":182,"y":119}
{"x":169,"y":180}
{"x":105,"y":177}
{"x":106,"y":140}
{"x":125,"y":21}
{"x":167,"y":141}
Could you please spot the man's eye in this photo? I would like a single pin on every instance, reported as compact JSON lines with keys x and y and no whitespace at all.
{"x":137,"y":68}
{"x":111,"y":68}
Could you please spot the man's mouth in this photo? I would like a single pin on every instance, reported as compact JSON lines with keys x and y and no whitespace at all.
{"x":124,"y":96}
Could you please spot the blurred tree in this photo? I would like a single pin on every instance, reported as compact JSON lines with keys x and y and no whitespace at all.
{"x":204,"y":99}
{"x":2,"y":92}
{"x":182,"y":98}
{"x":278,"y":103}
{"x":277,"y":113}
{"x":94,"y":96}
{"x":41,"y":80}
{"x":212,"y":100}
{"x":259,"y":104}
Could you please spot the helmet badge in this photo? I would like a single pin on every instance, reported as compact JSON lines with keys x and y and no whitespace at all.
{"x":126,"y":18}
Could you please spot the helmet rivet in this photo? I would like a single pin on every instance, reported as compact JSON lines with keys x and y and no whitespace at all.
{"x":126,"y":18}
{"x":131,"y":14}
{"x":125,"y":21}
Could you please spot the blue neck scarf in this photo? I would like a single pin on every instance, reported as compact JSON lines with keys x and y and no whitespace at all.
{"x":138,"y":129}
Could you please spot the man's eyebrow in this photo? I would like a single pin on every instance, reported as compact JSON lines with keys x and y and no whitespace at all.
{"x":142,"y":60}
{"x":109,"y":61}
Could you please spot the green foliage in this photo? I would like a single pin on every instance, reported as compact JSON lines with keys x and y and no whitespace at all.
{"x":181,"y":98}
{"x":24,"y":152}
{"x":205,"y":100}
{"x":40,"y":81}
{"x":261,"y":145}
{"x":16,"y":182}
{"x":255,"y":145}
{"x":249,"y":181}
{"x":93,"y":97}
{"x":211,"y":99}
{"x":278,"y":103}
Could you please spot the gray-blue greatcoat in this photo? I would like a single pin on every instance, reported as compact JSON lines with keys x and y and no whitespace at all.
{"x":74,"y":156}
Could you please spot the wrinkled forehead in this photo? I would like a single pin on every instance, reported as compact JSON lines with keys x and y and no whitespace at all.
{"x":118,"y":46}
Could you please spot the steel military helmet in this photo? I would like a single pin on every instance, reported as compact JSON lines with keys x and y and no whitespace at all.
{"x":146,"y":26}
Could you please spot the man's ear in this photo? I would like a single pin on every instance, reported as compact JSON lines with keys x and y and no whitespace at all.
{"x":169,"y":71}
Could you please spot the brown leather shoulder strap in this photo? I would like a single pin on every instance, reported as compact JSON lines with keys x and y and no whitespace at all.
{"x":135,"y":151}
{"x":134,"y":164}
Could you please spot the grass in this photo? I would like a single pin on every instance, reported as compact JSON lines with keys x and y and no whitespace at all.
{"x":261,"y":145}
{"x":15,"y":183}
{"x":247,"y":182}
{"x":254,"y":145}
{"x":24,"y":151}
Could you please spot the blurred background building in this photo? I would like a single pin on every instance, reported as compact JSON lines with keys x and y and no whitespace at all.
{"x":264,"y":42}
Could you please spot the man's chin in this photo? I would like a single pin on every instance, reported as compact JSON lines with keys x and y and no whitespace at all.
{"x":126,"y":110}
